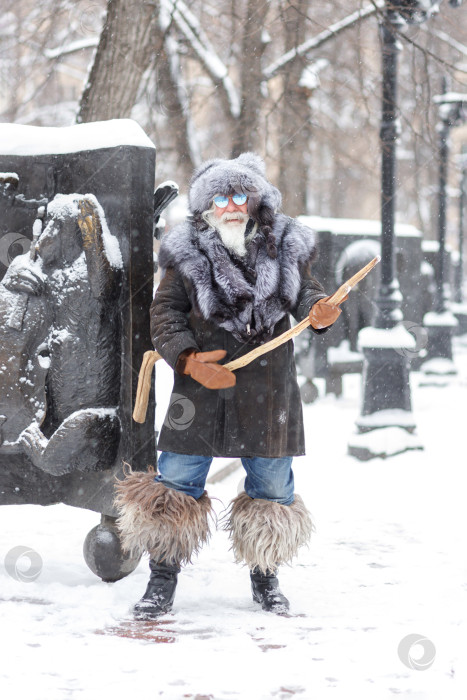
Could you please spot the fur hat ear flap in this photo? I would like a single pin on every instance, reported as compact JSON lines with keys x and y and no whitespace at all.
{"x":264,"y":216}
{"x":253,"y":205}
{"x":271,"y":244}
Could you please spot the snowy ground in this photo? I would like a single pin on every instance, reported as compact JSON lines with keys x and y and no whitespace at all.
{"x":387,"y":561}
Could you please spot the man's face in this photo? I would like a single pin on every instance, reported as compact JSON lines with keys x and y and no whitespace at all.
{"x":231,"y":210}
{"x":230,"y":221}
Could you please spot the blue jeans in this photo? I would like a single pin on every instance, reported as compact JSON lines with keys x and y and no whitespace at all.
{"x":271,"y":479}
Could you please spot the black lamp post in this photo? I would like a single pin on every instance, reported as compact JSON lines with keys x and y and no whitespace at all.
{"x":386,"y":367}
{"x":459,"y":297}
{"x":459,"y":308}
{"x":387,"y":346}
{"x":441,"y":323}
{"x":389,"y":298}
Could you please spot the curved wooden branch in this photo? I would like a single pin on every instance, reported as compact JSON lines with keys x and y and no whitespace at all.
{"x":144,"y":385}
{"x":150,"y":357}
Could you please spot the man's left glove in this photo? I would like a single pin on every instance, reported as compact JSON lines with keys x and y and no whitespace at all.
{"x":203,"y":367}
{"x":323,"y":314}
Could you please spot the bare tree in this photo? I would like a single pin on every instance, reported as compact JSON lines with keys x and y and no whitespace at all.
{"x":175,"y":104}
{"x":295,"y":133}
{"x":33,"y":72}
{"x":297,"y":81}
{"x":246,"y":135}
{"x":126,"y":47}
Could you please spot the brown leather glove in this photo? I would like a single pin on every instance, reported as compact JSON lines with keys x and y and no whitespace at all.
{"x":203,"y":367}
{"x":323,"y":315}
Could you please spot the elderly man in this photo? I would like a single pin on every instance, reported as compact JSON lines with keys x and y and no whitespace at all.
{"x":231,"y":275}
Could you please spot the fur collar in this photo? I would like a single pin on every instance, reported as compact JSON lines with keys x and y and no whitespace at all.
{"x":245,"y":296}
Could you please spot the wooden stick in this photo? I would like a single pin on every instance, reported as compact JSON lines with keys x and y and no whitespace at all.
{"x":338,"y":296}
{"x":267,"y":347}
{"x":144,"y":385}
{"x":150,"y":357}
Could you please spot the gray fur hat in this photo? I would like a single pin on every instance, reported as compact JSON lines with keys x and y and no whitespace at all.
{"x":245,"y":174}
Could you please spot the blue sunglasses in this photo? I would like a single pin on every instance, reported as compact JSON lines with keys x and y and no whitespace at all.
{"x":221,"y":201}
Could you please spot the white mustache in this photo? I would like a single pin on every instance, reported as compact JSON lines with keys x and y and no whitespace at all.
{"x":231,"y":216}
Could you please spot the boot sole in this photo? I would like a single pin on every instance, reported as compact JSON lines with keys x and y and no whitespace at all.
{"x":148,"y":614}
{"x":279,"y":609}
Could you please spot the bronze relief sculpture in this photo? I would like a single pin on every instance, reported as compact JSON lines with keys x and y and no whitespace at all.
{"x":60,"y":328}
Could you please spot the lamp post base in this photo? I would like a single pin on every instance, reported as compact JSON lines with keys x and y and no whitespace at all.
{"x":441,"y":327}
{"x":438,"y":371}
{"x":460,"y":314}
{"x":386,"y":425}
{"x":387,"y":418}
{"x":382,"y":443}
{"x":386,"y":383}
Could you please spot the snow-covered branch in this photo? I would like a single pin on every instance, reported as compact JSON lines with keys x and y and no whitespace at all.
{"x":72,"y":47}
{"x":191,"y":29}
{"x":322,"y":38}
{"x":462,"y":48}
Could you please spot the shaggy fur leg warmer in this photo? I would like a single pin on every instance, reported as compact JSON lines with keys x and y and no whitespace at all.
{"x":168,"y":524}
{"x":265,"y":534}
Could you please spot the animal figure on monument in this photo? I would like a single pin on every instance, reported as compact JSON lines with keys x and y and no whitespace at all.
{"x":60,"y":368}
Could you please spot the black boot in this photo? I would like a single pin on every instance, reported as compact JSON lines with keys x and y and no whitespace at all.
{"x":160,"y":592}
{"x":266,"y":591}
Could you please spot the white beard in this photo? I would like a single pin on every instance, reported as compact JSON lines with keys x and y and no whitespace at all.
{"x":232,"y":234}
